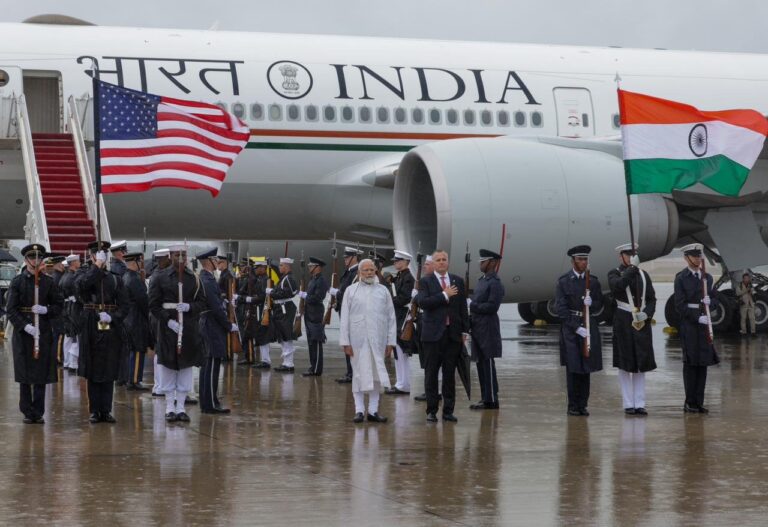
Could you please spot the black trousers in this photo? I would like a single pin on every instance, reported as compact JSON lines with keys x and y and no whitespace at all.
{"x":137,"y":366}
{"x":209,"y":384}
{"x":578,"y":390}
{"x":695,"y":381}
{"x":316,"y":357}
{"x":489,"y":385}
{"x":100,"y":397}
{"x":349,"y":366}
{"x":443,"y":353}
{"x":32,"y":400}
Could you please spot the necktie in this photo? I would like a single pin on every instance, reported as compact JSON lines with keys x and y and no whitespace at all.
{"x":442,"y":283}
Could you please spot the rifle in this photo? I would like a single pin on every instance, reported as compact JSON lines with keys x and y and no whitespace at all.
{"x":36,"y":350}
{"x":180,"y":314}
{"x":142,"y":270}
{"x":302,"y":302}
{"x":234,"y":344}
{"x":468,"y":259}
{"x":587,"y":340}
{"x":407,"y":332}
{"x":710,"y":335}
{"x":268,"y":298}
{"x":334,"y":283}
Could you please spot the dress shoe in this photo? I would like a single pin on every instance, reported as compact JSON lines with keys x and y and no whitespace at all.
{"x":376,"y":418}
{"x":190,"y":400}
{"x":108,"y":418}
{"x":484,"y":406}
{"x":244,"y":361}
{"x":39,"y":420}
{"x":703,"y":410}
{"x":284,"y":369}
{"x":450,"y":417}
{"x":583,"y":411}
{"x":687,"y":408}
{"x":309,"y":373}
{"x":138,"y":387}
{"x":218,"y":410}
{"x":120,"y":383}
{"x":155,"y":394}
{"x":431,"y":418}
{"x":573,"y":411}
{"x":262,"y":365}
{"x":422,"y":397}
{"x":183,"y":417}
{"x":395,"y":391}
{"x":630,"y":411}
{"x":170,"y":417}
{"x":359,"y":417}
{"x":221,"y":409}
{"x":28,"y":421}
{"x":94,"y":418}
{"x":641,"y":411}
{"x":344,"y":380}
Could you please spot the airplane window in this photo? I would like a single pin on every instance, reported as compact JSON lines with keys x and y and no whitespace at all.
{"x":585,"y":120}
{"x":310,"y":113}
{"x":469,"y":117}
{"x":222,"y":105}
{"x":238,"y":109}
{"x":452,"y":116}
{"x":417,"y":116}
{"x":3,"y":78}
{"x":293,"y":112}
{"x":257,"y":111}
{"x":275,"y":112}
{"x":365,"y":114}
{"x":329,"y":113}
{"x":347,"y":114}
{"x":486,"y":117}
{"x":536,"y":119}
{"x":616,"y":121}
{"x":502,"y":118}
{"x":400,"y":115}
{"x":519,"y":119}
{"x":382,"y":115}
{"x":434,"y":116}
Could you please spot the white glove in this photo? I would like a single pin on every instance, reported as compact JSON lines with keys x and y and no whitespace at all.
{"x":104,"y":317}
{"x":234,"y":298}
{"x":704,"y":319}
{"x":333,"y":291}
{"x":40,"y":310}
{"x":269,"y":290}
{"x":634,"y":260}
{"x":248,"y":299}
{"x":174,"y":325}
{"x":303,"y":294}
{"x":234,"y":329}
{"x":32,"y":330}
{"x":101,"y":256}
{"x":705,"y":300}
{"x":587,"y":301}
{"x":469,"y":302}
{"x":582,"y":332}
{"x":414,"y":293}
{"x":182,"y":307}
{"x":641,"y":316}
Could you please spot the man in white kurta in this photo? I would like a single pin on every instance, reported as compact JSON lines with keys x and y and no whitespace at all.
{"x":368,"y":334}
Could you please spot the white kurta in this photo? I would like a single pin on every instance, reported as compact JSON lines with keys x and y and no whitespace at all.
{"x":368,"y":325}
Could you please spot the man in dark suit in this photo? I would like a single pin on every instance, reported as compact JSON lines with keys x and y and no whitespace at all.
{"x":444,"y":325}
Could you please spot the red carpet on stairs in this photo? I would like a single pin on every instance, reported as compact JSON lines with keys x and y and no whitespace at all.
{"x":69,"y":228}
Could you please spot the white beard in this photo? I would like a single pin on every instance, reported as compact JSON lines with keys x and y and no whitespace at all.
{"x":369,"y":281}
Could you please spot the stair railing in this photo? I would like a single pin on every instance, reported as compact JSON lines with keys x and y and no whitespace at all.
{"x":8,"y":117}
{"x":36,"y":229}
{"x":86,"y":180}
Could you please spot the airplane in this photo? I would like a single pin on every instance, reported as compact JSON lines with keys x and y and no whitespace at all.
{"x":416,"y":143}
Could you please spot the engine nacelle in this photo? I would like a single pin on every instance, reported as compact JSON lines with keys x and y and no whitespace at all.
{"x":550,"y":197}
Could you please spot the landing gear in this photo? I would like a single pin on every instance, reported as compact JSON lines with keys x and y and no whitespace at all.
{"x":525,"y":309}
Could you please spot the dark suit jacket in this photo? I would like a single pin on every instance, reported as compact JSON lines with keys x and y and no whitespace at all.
{"x":435,"y":308}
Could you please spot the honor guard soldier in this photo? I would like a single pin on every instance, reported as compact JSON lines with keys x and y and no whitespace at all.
{"x":227,"y":282}
{"x":72,"y":312}
{"x":351,"y":261}
{"x":635,"y":299}
{"x":486,"y":330}
{"x":698,"y":350}
{"x":101,"y":346}
{"x":314,"y":310}
{"x":57,"y":323}
{"x":161,"y":259}
{"x":118,"y":250}
{"x":136,"y":323}
{"x":284,"y":313}
{"x":401,"y":288}
{"x":426,"y":271}
{"x":580,"y":355}
{"x":252,"y":296}
{"x":33,"y":300}
{"x":176,"y":299}
{"x":214,"y":326}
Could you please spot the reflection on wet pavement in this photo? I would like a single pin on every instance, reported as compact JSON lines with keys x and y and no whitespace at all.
{"x":289,"y":454}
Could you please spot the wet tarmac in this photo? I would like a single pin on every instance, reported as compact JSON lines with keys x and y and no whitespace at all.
{"x":290,"y":455}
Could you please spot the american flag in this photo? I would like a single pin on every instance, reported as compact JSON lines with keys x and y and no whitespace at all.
{"x":149,"y":141}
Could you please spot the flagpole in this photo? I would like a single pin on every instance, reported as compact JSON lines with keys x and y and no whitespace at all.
{"x":97,"y":149}
{"x":626,"y":176}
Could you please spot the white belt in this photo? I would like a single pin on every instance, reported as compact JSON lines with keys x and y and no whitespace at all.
{"x":284,"y":301}
{"x":170,"y":305}
{"x":694,"y":306}
{"x":70,"y":299}
{"x":625,"y":306}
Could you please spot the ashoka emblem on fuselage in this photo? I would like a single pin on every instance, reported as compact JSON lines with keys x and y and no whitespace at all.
{"x":697,"y":140}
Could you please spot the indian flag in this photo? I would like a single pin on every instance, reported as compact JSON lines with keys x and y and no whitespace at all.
{"x":669,"y":145}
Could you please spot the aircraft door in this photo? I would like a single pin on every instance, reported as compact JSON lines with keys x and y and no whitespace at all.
{"x":42,"y":90}
{"x":575,"y":117}
{"x":10,"y":85}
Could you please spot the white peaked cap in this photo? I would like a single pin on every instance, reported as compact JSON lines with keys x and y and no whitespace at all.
{"x":692,"y":247}
{"x":122,"y":244}
{"x":626,"y":247}
{"x":73,"y":258}
{"x":429,"y":258}
{"x":177,"y":248}
{"x":402,"y":255}
{"x":288,"y":261}
{"x":161,"y":252}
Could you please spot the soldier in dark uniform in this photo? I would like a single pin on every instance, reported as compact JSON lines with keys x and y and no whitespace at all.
{"x":426,"y":271}
{"x":251,"y":297}
{"x":314,"y":312}
{"x":698,"y":352}
{"x":161,"y":260}
{"x":227,"y":280}
{"x":175,"y":362}
{"x":136,"y":323}
{"x":105,"y":305}
{"x":72,"y":312}
{"x":635,"y":299}
{"x":57,"y":323}
{"x":570,"y":300}
{"x":284,"y":313}
{"x":32,"y":371}
{"x":118,"y":250}
{"x":401,"y":288}
{"x":351,"y":261}
{"x":486,"y":330}
{"x":244,"y":270}
{"x":214,"y":327}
